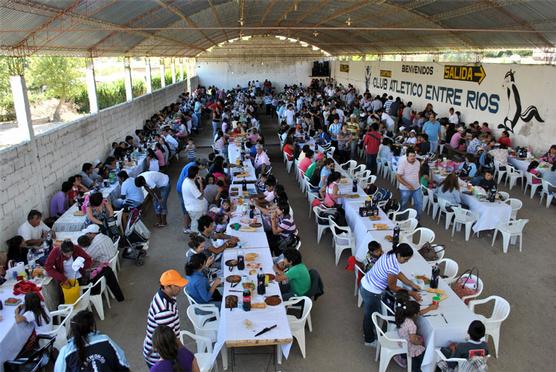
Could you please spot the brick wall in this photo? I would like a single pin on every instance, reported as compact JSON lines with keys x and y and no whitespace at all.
{"x":30,"y":173}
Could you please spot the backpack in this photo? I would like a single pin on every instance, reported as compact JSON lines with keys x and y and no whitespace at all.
{"x":381,"y":194}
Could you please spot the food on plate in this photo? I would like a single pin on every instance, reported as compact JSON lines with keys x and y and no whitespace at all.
{"x":12,"y":301}
{"x":252,"y":272}
{"x":424,"y":278}
{"x":255,"y":224}
{"x":231,"y":263}
{"x":251,"y":256}
{"x":273,"y":300}
{"x":233,"y":279}
{"x":374,"y":218}
{"x":258,"y":305}
{"x":435,"y":290}
{"x":389,"y":238}
{"x":249,"y":285}
{"x":231,"y":301}
{"x":253,"y":265}
{"x":380,"y":226}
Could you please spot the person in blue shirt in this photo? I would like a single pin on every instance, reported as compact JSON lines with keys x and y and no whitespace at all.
{"x":181,"y":178}
{"x":89,"y":350}
{"x":432,"y":129}
{"x":199,"y":288}
{"x":468,"y":169}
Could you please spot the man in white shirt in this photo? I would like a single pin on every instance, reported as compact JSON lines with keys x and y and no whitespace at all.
{"x":408,"y":177}
{"x":376,"y":104}
{"x":261,"y":158}
{"x":130,"y":195}
{"x":158,"y":185}
{"x":290,"y":115}
{"x":170,"y":140}
{"x":192,"y":193}
{"x":34,"y":231}
{"x":453,"y":118}
{"x":99,"y":246}
{"x":388,"y":121}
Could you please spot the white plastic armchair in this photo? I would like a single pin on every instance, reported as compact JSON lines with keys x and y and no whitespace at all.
{"x":500,"y":312}
{"x":204,"y":350}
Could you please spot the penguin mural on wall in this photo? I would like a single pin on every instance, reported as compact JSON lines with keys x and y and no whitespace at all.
{"x":515,"y":112}
{"x":367,"y":77}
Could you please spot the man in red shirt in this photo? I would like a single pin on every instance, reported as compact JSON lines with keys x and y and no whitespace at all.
{"x":371,"y":142}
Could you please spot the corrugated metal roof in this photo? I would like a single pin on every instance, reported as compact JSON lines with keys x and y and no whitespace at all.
{"x":163,"y":27}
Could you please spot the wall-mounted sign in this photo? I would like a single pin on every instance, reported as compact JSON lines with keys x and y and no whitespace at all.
{"x":474,"y":74}
{"x":418,"y":69}
{"x":344,"y":68}
{"x":386,"y":73}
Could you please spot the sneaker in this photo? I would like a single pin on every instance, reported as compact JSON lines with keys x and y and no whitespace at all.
{"x":400,"y":360}
{"x":371,"y":344}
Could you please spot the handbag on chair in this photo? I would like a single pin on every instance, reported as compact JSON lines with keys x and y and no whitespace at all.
{"x":467,"y":286}
{"x":430,"y":251}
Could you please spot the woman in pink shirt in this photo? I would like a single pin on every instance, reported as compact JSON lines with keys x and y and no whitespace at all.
{"x":306,"y":162}
{"x":159,"y":152}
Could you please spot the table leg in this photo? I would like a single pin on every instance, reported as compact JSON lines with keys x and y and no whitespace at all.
{"x":224,"y":354}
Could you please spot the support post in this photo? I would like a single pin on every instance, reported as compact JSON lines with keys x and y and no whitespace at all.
{"x":162,"y":73}
{"x":148,"y":75}
{"x":91,"y":82}
{"x":173,"y":67}
{"x":181,"y":69}
{"x":188,"y":66}
{"x":127,"y":80}
{"x":22,"y":108}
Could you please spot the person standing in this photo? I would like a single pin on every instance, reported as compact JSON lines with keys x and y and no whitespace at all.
{"x":408,"y":178}
{"x":158,"y":185}
{"x":192,"y":194}
{"x":179,"y":183}
{"x":163,"y":311}
{"x":371,"y":141}
{"x":432,"y":129}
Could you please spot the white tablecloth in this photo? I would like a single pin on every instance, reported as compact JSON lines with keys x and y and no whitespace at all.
{"x":234,"y":153}
{"x":490,"y":214}
{"x":12,"y":335}
{"x":434,"y":329}
{"x":519,"y":164}
{"x":232,"y":331}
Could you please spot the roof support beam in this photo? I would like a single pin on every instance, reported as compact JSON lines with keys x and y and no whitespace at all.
{"x":267,"y":10}
{"x":217,"y":17}
{"x":341,"y":12}
{"x":284,"y":15}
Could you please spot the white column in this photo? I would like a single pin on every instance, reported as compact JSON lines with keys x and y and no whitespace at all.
{"x":188,"y":66}
{"x":91,"y":82}
{"x":173,"y":67}
{"x":148,"y":76}
{"x":162,"y":73}
{"x":127,"y":80}
{"x":22,"y":108}
{"x":181,"y":69}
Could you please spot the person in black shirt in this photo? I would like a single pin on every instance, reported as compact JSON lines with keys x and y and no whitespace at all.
{"x":487,"y":182}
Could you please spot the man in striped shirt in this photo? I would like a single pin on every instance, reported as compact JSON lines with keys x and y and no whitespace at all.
{"x":163,"y":311}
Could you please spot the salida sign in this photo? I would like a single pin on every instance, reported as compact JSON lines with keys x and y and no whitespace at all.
{"x":465,"y":73}
{"x":468,"y":98}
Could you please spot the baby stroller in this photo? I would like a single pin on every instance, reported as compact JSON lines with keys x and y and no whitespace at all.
{"x":136,"y":238}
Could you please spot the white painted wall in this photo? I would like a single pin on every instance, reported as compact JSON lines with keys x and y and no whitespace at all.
{"x":228,"y":74}
{"x":534,"y":83}
{"x":31,"y":172}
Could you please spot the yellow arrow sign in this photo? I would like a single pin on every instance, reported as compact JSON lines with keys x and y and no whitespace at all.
{"x":465,"y":73}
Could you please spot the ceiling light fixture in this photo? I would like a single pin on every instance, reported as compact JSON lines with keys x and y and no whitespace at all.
{"x":295,"y":7}
{"x":315,"y":33}
{"x":241,"y":22}
{"x":348,"y":22}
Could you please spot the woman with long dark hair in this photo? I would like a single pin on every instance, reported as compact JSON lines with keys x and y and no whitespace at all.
{"x":382,"y":276}
{"x":32,"y":311}
{"x":82,"y":350}
{"x":199,"y":287}
{"x":174,"y":356}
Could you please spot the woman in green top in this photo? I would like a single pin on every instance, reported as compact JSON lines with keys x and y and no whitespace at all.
{"x":295,"y":273}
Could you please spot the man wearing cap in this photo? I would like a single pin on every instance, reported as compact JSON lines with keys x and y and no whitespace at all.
{"x":99,"y":246}
{"x":163,"y":311}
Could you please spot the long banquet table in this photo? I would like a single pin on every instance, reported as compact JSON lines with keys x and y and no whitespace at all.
{"x":234,"y":330}
{"x":438,"y":330}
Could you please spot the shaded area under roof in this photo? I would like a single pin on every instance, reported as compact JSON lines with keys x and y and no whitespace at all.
{"x":185,"y":28}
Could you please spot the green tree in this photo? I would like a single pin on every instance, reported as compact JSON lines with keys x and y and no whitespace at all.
{"x":60,"y":76}
{"x":6,"y":101}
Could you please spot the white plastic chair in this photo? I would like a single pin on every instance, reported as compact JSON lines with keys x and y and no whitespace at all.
{"x":409,"y":225}
{"x":474,"y":279}
{"x":200,"y":316}
{"x":498,"y":173}
{"x":311,"y":196}
{"x":96,"y":299}
{"x":342,"y":241}
{"x":403,"y":215}
{"x":440,"y":252}
{"x":450,"y":269}
{"x":82,"y":303}
{"x":466,"y":218}
{"x":297,"y":326}
{"x":425,"y":235}
{"x":510,"y":231}
{"x":443,"y":208}
{"x":390,"y":343}
{"x":204,"y":350}
{"x":529,"y":177}
{"x":358,"y":271}
{"x":493,"y":323}
{"x":513,"y":175}
{"x":359,"y":171}
{"x":322,"y":213}
{"x":549,"y":190}
{"x":516,"y":205}
{"x":504,"y":195}
{"x":348,"y":166}
{"x":61,"y":330}
{"x":189,"y":298}
{"x":462,"y":362}
{"x":364,"y":182}
{"x":426,"y":198}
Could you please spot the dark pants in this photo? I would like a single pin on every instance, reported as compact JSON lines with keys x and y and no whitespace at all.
{"x":371,"y":304}
{"x":371,"y":163}
{"x":111,"y":282}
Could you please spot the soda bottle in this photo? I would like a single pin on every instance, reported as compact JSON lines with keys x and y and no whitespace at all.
{"x":246,"y":300}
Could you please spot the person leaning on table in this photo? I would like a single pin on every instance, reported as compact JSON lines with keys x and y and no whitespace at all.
{"x":384,"y":275}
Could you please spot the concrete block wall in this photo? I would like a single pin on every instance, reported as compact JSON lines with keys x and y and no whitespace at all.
{"x":31,"y":172}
